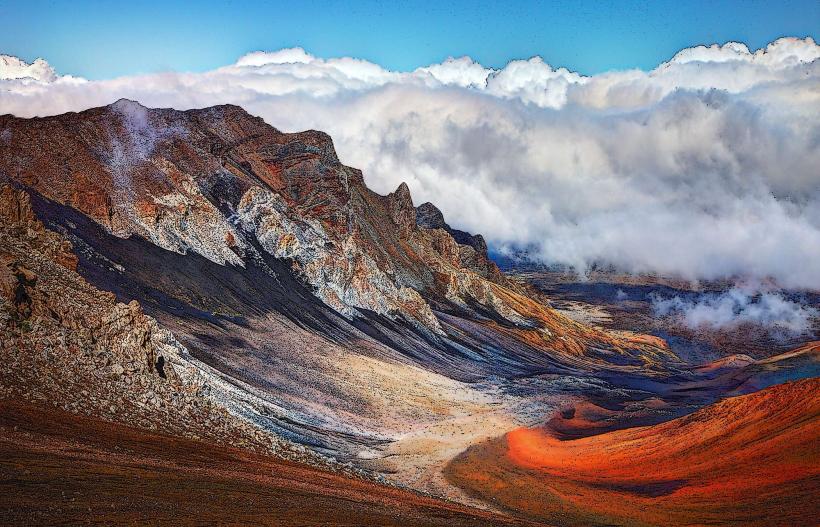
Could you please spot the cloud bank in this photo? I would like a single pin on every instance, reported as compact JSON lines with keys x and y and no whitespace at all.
{"x":705,"y":167}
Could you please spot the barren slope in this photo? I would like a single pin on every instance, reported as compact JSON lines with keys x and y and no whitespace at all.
{"x":747,"y":460}
{"x":59,"y":468}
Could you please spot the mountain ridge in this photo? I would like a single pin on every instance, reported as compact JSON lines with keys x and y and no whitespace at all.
{"x":217,"y":181}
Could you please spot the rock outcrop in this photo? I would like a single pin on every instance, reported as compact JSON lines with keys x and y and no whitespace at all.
{"x":472,"y":249}
{"x":224,"y":184}
{"x":429,"y":217}
{"x":219,"y":182}
{"x":67,"y":344}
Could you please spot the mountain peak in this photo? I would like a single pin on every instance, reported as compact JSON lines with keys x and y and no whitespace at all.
{"x":123,"y":102}
{"x":402,"y":209}
{"x":403,"y":190}
{"x":429,"y":216}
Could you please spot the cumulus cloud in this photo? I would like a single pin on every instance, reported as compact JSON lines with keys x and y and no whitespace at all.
{"x":464,"y":72}
{"x":14,"y":68}
{"x":705,"y":167}
{"x":736,"y":307}
{"x":782,"y":53}
{"x":38,"y":72}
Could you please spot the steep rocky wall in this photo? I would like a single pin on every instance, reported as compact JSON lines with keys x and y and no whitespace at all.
{"x":225,"y":185}
{"x":214,"y":181}
{"x":68,"y":344}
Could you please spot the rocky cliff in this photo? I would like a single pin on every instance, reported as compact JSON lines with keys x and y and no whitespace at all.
{"x":217,"y":181}
{"x":225,"y":185}
{"x":68,"y":344}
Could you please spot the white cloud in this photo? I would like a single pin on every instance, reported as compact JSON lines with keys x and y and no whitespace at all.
{"x":464,"y":72}
{"x":14,"y":68}
{"x":534,"y":81}
{"x":284,"y":56}
{"x":704,"y":167}
{"x":18,"y":75}
{"x":736,"y":307}
{"x":782,"y":53}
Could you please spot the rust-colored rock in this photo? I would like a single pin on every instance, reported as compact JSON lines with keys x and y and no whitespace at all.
{"x":219,"y":182}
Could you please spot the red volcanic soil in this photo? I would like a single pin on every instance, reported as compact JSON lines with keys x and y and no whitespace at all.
{"x":748,"y":460}
{"x":60,"y":468}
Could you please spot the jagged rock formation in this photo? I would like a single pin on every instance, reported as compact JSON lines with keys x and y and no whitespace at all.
{"x":70,"y":345}
{"x":429,"y":217}
{"x":472,"y":249}
{"x":221,"y":183}
{"x":214,"y":181}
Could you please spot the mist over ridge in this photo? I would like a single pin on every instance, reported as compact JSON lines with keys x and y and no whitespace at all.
{"x":704,"y":168}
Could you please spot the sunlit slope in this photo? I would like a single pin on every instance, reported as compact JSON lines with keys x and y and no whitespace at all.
{"x":753,"y":459}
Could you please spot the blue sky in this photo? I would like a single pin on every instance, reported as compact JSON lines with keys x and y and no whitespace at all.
{"x":103,"y":39}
